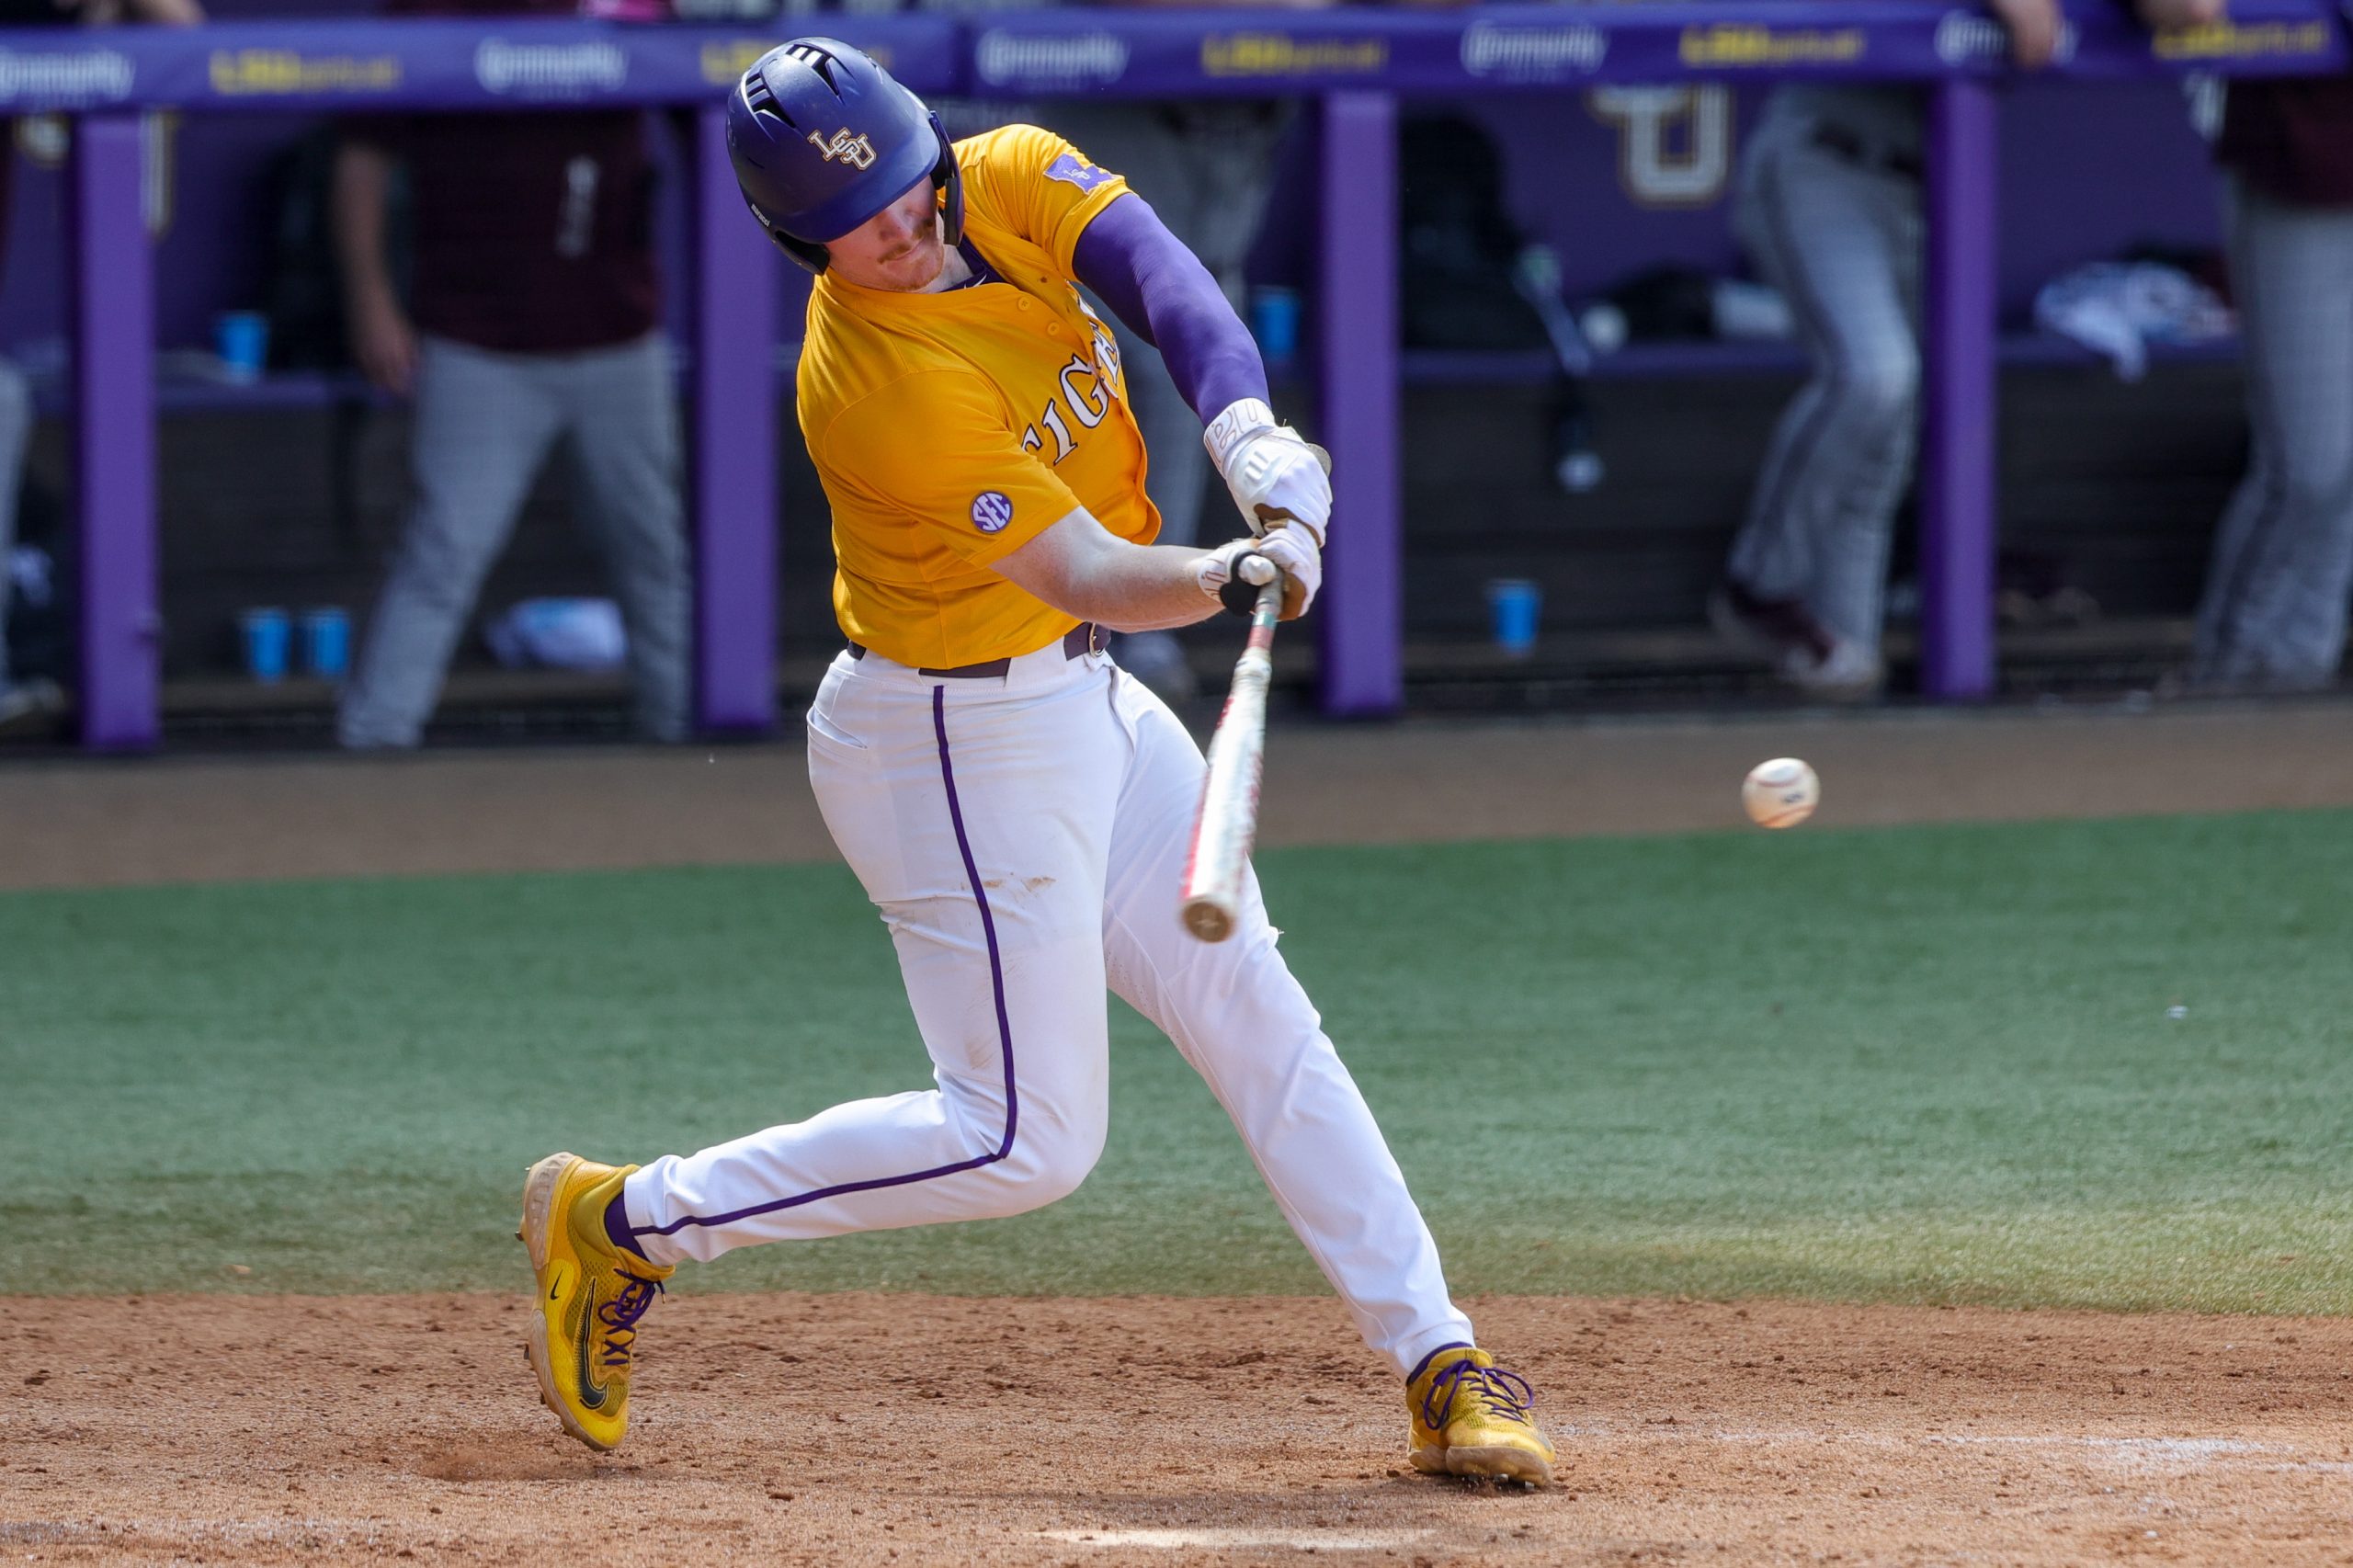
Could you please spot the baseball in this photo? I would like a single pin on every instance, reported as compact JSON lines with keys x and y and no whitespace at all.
{"x":1780,"y":793}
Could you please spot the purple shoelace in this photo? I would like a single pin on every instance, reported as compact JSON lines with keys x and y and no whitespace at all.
{"x":620,"y":1317}
{"x":1503,"y":1393}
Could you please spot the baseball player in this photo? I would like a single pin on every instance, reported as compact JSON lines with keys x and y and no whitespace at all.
{"x":1016,"y":807}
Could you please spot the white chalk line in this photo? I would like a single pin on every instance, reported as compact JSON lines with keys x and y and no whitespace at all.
{"x":1241,"y":1539}
{"x":2132,"y":1452}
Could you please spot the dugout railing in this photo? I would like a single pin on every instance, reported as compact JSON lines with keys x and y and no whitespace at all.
{"x":1356,"y":64}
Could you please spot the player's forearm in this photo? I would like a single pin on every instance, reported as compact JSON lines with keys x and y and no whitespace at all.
{"x":1081,"y":569}
{"x":360,"y":198}
{"x":167,"y":13}
{"x":1153,"y":282}
{"x":1141,"y":587}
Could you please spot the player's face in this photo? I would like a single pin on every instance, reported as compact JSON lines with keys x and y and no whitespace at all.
{"x":898,"y":248}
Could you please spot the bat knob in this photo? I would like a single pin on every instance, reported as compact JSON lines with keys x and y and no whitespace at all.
{"x":1208,"y":920}
{"x":1257,"y":571}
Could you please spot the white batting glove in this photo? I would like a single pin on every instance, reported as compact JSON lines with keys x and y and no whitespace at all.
{"x":1233,"y":573}
{"x":1274,"y":472}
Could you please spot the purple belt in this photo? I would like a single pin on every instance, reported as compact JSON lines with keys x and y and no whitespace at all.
{"x":1077,"y":642}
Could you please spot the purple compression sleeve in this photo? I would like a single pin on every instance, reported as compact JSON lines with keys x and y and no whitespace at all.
{"x":1168,"y":299}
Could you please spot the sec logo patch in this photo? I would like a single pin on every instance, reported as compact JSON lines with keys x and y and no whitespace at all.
{"x":991,"y":511}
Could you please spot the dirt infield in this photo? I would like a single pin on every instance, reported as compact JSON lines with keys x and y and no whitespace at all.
{"x":877,"y":1429}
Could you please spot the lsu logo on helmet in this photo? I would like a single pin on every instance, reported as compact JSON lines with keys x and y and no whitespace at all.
{"x":855,"y":151}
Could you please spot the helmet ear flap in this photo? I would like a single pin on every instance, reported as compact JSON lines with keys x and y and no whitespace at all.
{"x":803,"y":252}
{"x":947,"y":178}
{"x":811,"y":256}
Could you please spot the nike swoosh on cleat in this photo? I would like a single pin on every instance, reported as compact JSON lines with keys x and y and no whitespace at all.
{"x":592,"y":1397}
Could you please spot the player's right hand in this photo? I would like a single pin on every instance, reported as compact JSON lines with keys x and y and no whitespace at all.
{"x":2035,"y":27}
{"x":383,"y":343}
{"x":1232,"y":572}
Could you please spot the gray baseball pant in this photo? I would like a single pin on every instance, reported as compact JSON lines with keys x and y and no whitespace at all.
{"x":1205,"y":168}
{"x":2273,"y":613}
{"x":16,"y":431}
{"x":484,"y":424}
{"x":1839,"y":236}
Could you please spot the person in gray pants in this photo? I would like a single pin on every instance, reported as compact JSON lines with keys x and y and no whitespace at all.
{"x":531,"y":321}
{"x":2273,"y":613}
{"x":1829,"y":209}
{"x":24,"y":704}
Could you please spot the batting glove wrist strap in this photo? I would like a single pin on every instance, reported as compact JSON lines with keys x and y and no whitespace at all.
{"x":1274,"y":473}
{"x":1221,"y":569}
{"x":1233,"y":573}
{"x":1243,"y":417}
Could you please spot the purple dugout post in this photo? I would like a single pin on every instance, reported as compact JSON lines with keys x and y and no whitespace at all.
{"x":1956,"y":516}
{"x":735,"y":446}
{"x":1363,"y":600}
{"x":114,"y":430}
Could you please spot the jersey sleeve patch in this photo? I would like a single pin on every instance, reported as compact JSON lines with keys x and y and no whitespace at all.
{"x":1071,"y":169}
{"x":992,"y":509}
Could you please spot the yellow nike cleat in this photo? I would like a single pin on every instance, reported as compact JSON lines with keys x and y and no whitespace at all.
{"x":1471,"y":1417}
{"x":590,"y":1296}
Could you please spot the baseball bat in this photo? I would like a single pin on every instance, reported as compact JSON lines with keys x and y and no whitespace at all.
{"x":1220,"y":856}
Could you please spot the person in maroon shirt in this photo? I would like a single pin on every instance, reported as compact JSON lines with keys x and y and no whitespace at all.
{"x":2273,"y":614}
{"x":532,"y":319}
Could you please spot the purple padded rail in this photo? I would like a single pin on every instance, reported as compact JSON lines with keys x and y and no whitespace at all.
{"x":114,"y":463}
{"x":735,"y":514}
{"x":1957,"y":511}
{"x":1363,"y":630}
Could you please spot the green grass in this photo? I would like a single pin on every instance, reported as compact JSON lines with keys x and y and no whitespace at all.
{"x":1920,"y":1065}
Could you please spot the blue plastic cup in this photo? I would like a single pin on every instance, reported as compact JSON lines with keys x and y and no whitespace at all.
{"x":327,"y":641}
{"x":1514,"y":606}
{"x":242,"y":339}
{"x":1274,"y":322}
{"x":268,"y":636}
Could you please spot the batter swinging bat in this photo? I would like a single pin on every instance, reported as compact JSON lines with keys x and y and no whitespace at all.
{"x":1229,"y":819}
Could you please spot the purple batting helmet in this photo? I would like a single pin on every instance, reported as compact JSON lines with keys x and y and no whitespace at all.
{"x":822,"y":139}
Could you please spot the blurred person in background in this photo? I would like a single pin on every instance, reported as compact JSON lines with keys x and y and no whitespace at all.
{"x":2273,"y":614}
{"x":1829,"y":209}
{"x":532,"y":319}
{"x":33,"y":703}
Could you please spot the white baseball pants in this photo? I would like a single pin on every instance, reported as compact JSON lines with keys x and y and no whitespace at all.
{"x":1025,"y":837}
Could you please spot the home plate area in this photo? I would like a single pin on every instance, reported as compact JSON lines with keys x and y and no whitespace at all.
{"x":828,"y":1428}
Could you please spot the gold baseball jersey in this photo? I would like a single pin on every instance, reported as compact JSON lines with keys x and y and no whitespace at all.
{"x":952,"y":428}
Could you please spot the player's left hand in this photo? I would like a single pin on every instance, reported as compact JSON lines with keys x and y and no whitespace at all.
{"x":1233,"y":573}
{"x":1274,"y":474}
